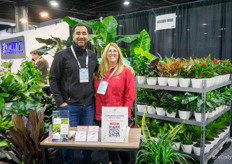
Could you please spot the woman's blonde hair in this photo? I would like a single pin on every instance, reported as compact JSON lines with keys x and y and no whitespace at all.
{"x":103,"y":69}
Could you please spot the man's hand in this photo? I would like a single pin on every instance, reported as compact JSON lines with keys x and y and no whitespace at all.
{"x":64,"y":104}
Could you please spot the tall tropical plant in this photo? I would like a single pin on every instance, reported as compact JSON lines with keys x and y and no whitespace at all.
{"x":25,"y":137}
{"x":53,"y":45}
{"x":103,"y":32}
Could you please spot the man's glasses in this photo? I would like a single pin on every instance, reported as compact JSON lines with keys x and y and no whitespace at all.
{"x":112,"y":51}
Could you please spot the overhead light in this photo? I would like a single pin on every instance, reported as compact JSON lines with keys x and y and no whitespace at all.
{"x":204,"y":24}
{"x":23,"y":20}
{"x":54,"y":3}
{"x":44,"y":14}
{"x":126,"y":3}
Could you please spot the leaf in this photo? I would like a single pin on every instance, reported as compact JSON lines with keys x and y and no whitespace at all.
{"x":126,"y":38}
{"x":145,"y":130}
{"x":46,"y":41}
{"x":142,"y":42}
{"x":144,"y":53}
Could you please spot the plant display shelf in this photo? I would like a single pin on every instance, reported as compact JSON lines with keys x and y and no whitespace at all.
{"x":203,"y":158}
{"x":183,"y":89}
{"x":190,"y":122}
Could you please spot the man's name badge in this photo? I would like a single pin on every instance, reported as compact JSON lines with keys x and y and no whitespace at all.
{"x":84,"y":75}
{"x":102,"y":87}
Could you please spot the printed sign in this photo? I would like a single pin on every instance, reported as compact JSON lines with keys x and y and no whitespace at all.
{"x":167,"y":21}
{"x":13,"y":48}
{"x":114,"y":124}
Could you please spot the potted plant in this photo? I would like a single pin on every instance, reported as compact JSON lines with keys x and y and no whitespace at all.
{"x":142,"y":99}
{"x":162,"y":72}
{"x":187,"y":142}
{"x":161,"y":151}
{"x":171,"y":103}
{"x":172,"y":66}
{"x":203,"y":71}
{"x":152,"y":72}
{"x":157,"y":96}
{"x":186,"y":72}
{"x":188,"y":103}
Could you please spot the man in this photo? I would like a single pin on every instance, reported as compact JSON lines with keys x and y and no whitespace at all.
{"x":71,"y":82}
{"x":40,"y":63}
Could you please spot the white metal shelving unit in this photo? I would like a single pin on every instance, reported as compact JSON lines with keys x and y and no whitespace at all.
{"x":203,"y":158}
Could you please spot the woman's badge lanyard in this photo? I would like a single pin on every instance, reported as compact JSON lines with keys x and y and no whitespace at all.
{"x":83,"y":72}
{"x":104,"y":84}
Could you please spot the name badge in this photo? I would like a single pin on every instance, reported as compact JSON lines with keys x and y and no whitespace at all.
{"x":84,"y":75}
{"x":102,"y":87}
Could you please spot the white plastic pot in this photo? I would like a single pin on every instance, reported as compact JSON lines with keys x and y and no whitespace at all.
{"x":196,"y":83}
{"x":2,"y":155}
{"x":151,"y":110}
{"x":211,"y":114}
{"x":207,"y":148}
{"x":160,"y":111}
{"x":196,"y":150}
{"x":162,"y":81}
{"x":141,"y":108}
{"x":173,"y":82}
{"x":184,"y":114}
{"x":173,"y":114}
{"x":198,"y":116}
{"x":227,"y":77}
{"x":176,"y":146}
{"x":151,"y":80}
{"x":141,"y":79}
{"x":184,"y":82}
{"x":187,"y":148}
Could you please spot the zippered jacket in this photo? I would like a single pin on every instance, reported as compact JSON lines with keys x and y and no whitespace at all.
{"x":120,"y":92}
{"x":64,"y":77}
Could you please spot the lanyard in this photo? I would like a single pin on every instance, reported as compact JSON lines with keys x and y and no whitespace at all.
{"x":74,"y":54}
{"x":37,"y":60}
{"x":112,"y":73}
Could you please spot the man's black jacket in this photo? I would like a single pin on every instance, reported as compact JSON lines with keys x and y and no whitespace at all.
{"x":64,"y":77}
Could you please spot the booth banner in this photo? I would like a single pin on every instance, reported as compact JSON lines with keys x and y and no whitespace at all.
{"x":114,"y":124}
{"x":13,"y":48}
{"x":167,"y":21}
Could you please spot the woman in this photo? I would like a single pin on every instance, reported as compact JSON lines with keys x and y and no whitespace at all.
{"x":120,"y":90}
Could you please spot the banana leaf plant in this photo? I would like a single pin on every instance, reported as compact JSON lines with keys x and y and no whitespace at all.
{"x":53,"y":45}
{"x":25,"y":137}
{"x":103,"y":32}
{"x":141,"y":57}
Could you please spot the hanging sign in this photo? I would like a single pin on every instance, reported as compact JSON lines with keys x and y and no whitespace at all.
{"x":13,"y":48}
{"x":167,"y":21}
{"x":114,"y":124}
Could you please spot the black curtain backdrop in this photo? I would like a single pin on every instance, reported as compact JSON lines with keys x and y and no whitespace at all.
{"x":202,"y":28}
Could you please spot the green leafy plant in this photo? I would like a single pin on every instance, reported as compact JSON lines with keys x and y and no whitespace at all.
{"x":159,"y":152}
{"x":9,"y":87}
{"x":21,"y":107}
{"x":25,"y":137}
{"x":203,"y":68}
{"x":104,"y":32}
{"x":187,"y":138}
{"x":7,"y":64}
{"x":53,"y":45}
{"x":140,"y":55}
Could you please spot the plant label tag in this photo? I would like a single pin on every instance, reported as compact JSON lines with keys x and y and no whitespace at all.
{"x":64,"y":128}
{"x":84,"y":75}
{"x":56,"y":121}
{"x":102,"y":87}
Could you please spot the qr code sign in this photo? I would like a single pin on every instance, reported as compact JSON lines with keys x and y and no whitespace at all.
{"x":114,"y":131}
